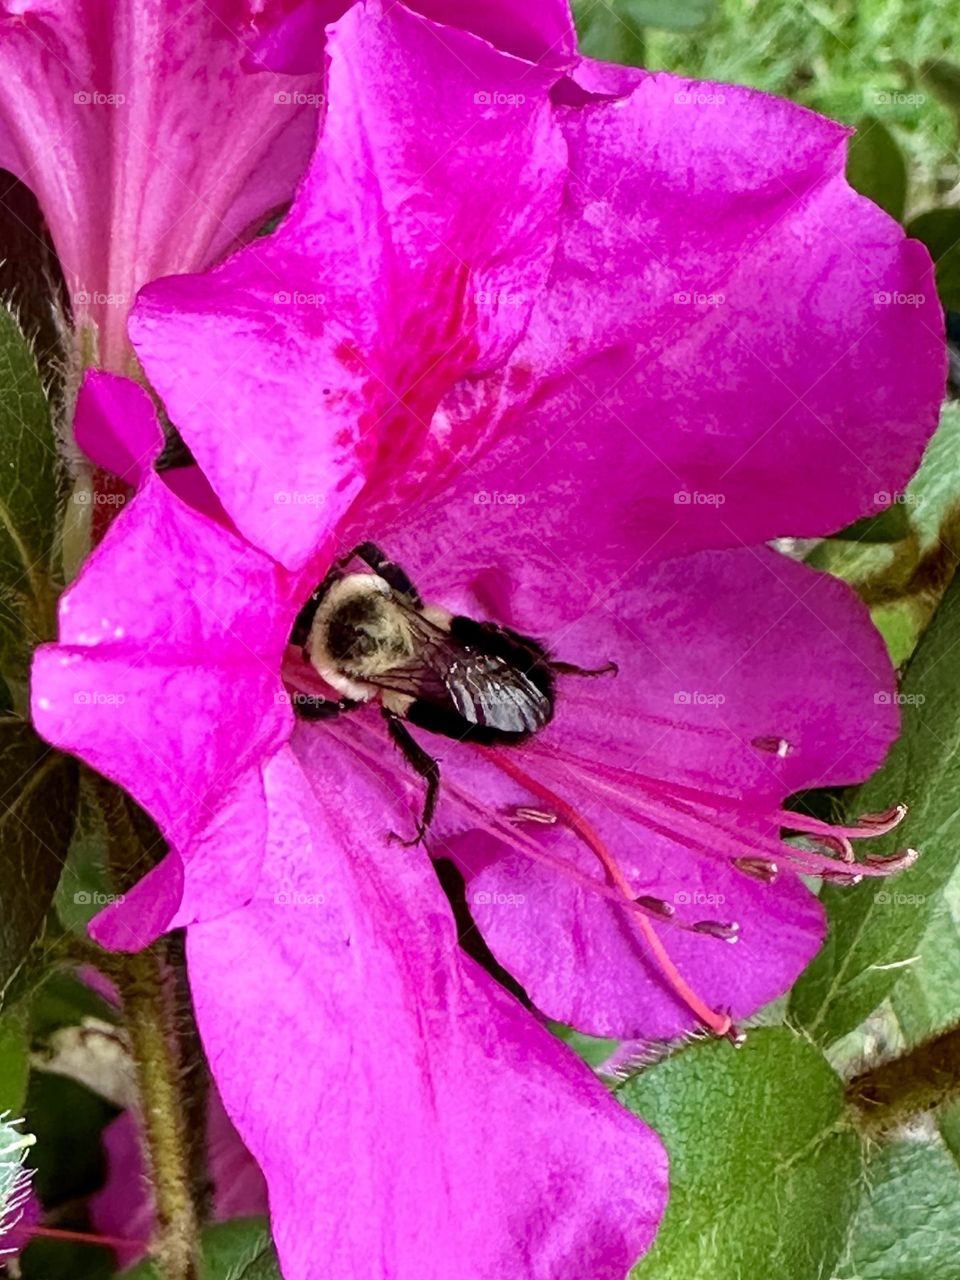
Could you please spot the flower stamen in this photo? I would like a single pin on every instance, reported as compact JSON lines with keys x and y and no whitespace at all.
{"x":721,"y":1024}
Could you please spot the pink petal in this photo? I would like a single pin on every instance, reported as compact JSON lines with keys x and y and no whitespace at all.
{"x":166,"y":680}
{"x":149,"y":148}
{"x":542,"y":32}
{"x":116,"y":425}
{"x":716,"y":651}
{"x":714,"y":362}
{"x":315,"y":360}
{"x":717,"y":317}
{"x":435,"y":1120}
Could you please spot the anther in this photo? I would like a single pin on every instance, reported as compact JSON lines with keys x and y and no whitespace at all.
{"x":523,"y":814}
{"x":761,"y":869}
{"x":838,"y":876}
{"x":891,"y":863}
{"x":655,"y":906}
{"x":717,"y":929}
{"x":888,"y":819}
{"x":773,"y":746}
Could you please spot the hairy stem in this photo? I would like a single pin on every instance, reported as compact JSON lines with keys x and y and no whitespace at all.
{"x":147,"y":983}
{"x":144,"y":988}
{"x":919,"y":1081}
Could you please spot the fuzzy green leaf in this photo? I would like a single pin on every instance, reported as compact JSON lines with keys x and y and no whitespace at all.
{"x":237,"y":1250}
{"x":38,"y":791}
{"x":764,"y":1169}
{"x":29,"y":499}
{"x":909,"y":1221}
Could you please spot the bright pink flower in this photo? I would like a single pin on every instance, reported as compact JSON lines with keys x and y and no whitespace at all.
{"x":149,"y":144}
{"x":565,"y":341}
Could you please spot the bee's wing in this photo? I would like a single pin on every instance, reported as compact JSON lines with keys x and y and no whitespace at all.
{"x":482,"y":688}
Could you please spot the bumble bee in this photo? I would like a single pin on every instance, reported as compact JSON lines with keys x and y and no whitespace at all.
{"x":370,"y":636}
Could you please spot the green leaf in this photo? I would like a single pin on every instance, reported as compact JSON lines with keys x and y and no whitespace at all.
{"x":237,"y":1250}
{"x":876,"y":167}
{"x":604,"y":31}
{"x":65,"y":1001}
{"x":592,"y":1050}
{"x":909,"y":1220}
{"x":764,"y":1169}
{"x":29,"y":500}
{"x":939,"y":229}
{"x":943,"y":77}
{"x":926,"y":998}
{"x":14,"y":1060}
{"x":613,"y":29}
{"x":86,"y":885}
{"x":903,"y":576}
{"x":68,"y":1119}
{"x":877,"y":926}
{"x":890,"y":525}
{"x":669,"y":15}
{"x":38,"y":793}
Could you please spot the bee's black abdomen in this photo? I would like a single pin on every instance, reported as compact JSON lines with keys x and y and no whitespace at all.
{"x":519,"y":651}
{"x":436,"y":717}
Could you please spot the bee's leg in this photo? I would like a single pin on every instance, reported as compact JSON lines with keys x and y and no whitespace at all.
{"x":571,"y":669}
{"x":310,"y":706}
{"x":421,"y":763}
{"x":389,"y":570}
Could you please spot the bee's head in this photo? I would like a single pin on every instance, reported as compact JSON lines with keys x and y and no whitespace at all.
{"x":359,"y":628}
